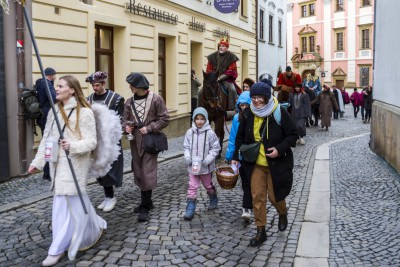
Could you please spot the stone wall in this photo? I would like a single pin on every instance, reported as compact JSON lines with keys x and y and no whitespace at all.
{"x":385,"y":134}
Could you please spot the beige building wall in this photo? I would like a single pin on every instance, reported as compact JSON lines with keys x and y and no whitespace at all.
{"x":65,"y":32}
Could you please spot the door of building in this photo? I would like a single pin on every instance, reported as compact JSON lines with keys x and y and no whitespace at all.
{"x":104,"y":53}
{"x":339,"y":83}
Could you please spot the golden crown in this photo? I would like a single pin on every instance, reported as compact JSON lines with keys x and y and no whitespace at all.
{"x":225,"y":39}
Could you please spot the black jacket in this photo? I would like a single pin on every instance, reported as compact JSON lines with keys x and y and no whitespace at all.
{"x":282,"y":137}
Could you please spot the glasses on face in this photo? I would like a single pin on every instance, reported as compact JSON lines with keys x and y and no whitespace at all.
{"x":257,"y":98}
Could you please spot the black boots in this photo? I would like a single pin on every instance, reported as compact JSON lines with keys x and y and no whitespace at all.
{"x":260,"y":237}
{"x":282,"y":224}
{"x":146,"y":205}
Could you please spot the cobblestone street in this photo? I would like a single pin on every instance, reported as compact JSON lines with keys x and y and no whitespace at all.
{"x":364,"y":225}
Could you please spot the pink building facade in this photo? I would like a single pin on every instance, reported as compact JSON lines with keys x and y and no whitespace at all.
{"x":334,"y":35}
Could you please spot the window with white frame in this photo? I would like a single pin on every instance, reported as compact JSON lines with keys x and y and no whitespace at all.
{"x":261,"y":24}
{"x":280,"y":33}
{"x":270,"y":29}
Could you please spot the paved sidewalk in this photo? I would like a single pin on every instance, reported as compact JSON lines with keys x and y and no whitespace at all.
{"x":21,"y":191}
{"x":219,"y":238}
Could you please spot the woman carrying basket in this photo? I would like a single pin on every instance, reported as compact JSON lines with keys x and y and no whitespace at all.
{"x":272,"y":168}
{"x":201,"y":147}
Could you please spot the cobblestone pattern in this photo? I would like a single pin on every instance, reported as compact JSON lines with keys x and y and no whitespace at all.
{"x":23,"y":187}
{"x":365,"y":207}
{"x":212,"y":238}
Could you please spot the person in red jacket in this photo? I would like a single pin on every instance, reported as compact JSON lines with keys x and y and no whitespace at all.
{"x":223,"y":62}
{"x":286,"y":82}
{"x":354,"y":101}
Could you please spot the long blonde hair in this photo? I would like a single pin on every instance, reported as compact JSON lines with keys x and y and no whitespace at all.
{"x":81,"y":101}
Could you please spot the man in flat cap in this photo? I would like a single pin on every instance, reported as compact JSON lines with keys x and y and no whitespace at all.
{"x":114,"y":102}
{"x":145,"y":112}
{"x":44,"y":104}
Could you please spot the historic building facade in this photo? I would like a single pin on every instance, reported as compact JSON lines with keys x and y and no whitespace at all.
{"x":163,"y":39}
{"x":336,"y":36}
{"x":271,"y":38}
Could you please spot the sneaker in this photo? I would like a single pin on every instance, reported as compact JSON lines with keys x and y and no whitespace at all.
{"x":301,"y":141}
{"x":101,"y":206}
{"x":297,"y":141}
{"x":110,"y":204}
{"x":246,"y":215}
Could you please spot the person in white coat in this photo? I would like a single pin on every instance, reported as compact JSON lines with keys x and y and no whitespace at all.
{"x":201,"y":147}
{"x":72,"y":229}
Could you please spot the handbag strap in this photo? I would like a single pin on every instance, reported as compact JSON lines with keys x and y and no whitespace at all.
{"x":204,"y":147}
{"x":263,"y":131}
{"x":205,"y":138}
{"x":69,"y":115}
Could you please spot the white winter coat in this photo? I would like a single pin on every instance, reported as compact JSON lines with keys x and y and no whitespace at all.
{"x":62,"y":182}
{"x":197,"y":148}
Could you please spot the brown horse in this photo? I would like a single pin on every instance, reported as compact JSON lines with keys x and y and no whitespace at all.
{"x":214,"y":98}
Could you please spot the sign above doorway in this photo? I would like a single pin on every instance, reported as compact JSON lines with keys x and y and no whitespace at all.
{"x":226,"y":6}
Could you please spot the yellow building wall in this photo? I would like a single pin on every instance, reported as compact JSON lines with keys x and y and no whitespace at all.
{"x":66,"y":42}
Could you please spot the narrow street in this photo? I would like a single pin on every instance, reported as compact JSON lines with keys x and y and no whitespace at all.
{"x":364,"y":227}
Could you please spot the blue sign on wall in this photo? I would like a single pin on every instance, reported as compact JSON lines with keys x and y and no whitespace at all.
{"x":226,"y":6}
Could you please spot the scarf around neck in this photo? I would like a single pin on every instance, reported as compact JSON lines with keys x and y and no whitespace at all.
{"x":265,"y":110}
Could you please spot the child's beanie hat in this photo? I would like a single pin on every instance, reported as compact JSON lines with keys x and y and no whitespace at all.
{"x":201,"y":111}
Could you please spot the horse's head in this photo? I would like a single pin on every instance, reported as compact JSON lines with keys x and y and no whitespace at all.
{"x":211,"y":89}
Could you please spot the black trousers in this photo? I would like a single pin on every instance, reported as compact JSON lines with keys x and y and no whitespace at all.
{"x":362,"y":112}
{"x":146,"y":199}
{"x":356,"y":110}
{"x":315,"y":112}
{"x":245,"y":176}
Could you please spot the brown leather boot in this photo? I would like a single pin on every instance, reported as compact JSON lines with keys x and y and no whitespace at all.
{"x":260,"y":237}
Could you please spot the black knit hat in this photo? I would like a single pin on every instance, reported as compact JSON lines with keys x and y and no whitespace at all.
{"x":288,"y":68}
{"x":137,"y":80}
{"x":262,"y":88}
{"x":49,"y":71}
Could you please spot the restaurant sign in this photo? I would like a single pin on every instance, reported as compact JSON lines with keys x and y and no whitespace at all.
{"x":151,"y":12}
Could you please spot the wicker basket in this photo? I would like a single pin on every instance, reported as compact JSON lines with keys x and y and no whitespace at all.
{"x":225,"y":181}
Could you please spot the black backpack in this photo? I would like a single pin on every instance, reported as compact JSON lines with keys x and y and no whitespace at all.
{"x":30,"y":104}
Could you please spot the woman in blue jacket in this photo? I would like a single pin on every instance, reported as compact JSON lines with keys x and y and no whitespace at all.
{"x":243,"y":101}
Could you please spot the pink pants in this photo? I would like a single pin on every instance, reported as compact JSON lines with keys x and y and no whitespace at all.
{"x":194,"y":183}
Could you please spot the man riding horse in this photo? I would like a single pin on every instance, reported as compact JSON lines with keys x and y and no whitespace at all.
{"x":223,"y":62}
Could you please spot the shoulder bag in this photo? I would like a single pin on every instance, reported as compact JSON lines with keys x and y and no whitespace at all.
{"x":249,"y":153}
{"x":153,"y":143}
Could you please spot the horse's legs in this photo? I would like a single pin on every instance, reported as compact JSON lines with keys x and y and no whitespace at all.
{"x":219,"y":131}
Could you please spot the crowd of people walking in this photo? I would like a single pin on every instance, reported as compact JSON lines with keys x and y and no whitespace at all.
{"x":268,"y":122}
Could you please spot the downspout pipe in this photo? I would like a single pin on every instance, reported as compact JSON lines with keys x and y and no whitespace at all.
{"x":257,"y":11}
{"x":21,"y":85}
{"x":4,"y":159}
